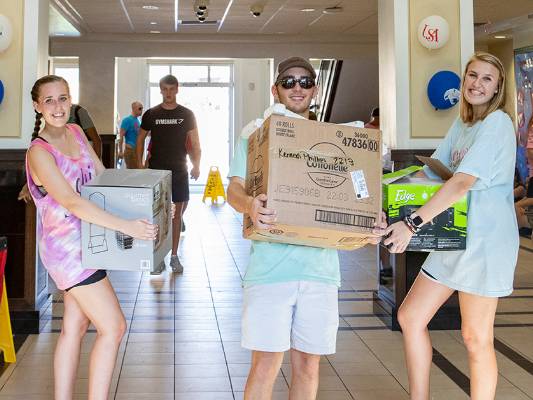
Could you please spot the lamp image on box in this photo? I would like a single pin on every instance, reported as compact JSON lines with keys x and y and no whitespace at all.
{"x":97,"y":240}
{"x":124,"y":242}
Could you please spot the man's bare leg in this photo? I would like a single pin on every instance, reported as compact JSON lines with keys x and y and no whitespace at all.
{"x":175,"y":264}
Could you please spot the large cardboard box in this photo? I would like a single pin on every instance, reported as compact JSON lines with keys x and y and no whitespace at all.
{"x":322,"y":179}
{"x":403,"y":193}
{"x":129,"y":194}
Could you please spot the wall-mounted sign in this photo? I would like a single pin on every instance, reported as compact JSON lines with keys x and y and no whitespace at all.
{"x":433,"y":32}
{"x":1,"y":92}
{"x":6,"y":33}
{"x":444,"y":90}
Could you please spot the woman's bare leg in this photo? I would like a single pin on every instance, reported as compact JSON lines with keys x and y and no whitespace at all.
{"x":100,"y":304}
{"x":417,"y":309}
{"x":477,"y":316}
{"x":67,"y":352}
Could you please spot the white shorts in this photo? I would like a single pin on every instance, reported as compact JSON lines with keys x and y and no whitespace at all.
{"x":302,"y":315}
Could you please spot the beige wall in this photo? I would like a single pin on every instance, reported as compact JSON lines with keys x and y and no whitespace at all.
{"x":97,"y":56}
{"x":20,"y":65}
{"x":358,"y":88}
{"x":97,"y":88}
{"x":131,"y":77}
{"x":523,"y":38}
{"x":505,"y":52}
{"x":11,"y":71}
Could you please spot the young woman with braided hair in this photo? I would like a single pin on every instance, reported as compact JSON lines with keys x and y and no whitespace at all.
{"x":58,"y":161}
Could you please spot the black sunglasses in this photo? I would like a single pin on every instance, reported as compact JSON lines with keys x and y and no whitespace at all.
{"x":305,"y":82}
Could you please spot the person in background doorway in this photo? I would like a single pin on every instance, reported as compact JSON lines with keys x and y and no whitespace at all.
{"x":480,"y":149}
{"x":290,"y":300}
{"x":374,"y":119}
{"x":58,"y":160}
{"x":174,"y":135}
{"x":129,"y":129}
{"x":80,"y":116}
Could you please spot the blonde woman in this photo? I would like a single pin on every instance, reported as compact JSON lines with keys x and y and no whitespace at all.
{"x":480,"y":149}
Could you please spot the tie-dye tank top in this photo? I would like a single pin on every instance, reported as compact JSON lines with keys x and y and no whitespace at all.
{"x":59,"y":231}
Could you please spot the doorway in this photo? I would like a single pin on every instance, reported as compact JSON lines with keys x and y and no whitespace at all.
{"x":207,"y":89}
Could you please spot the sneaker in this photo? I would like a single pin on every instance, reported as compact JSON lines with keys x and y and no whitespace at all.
{"x":182,"y":226}
{"x":175,"y":264}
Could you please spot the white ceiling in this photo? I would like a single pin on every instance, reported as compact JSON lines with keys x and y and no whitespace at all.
{"x":358,"y":17}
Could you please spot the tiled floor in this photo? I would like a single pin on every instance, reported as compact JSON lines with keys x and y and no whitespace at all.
{"x":183,"y":336}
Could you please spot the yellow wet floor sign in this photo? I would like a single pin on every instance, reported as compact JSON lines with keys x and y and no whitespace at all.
{"x":6,"y":336}
{"x":214,"y":188}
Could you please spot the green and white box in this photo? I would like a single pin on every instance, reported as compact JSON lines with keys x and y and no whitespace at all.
{"x":129,"y":194}
{"x":403,"y":193}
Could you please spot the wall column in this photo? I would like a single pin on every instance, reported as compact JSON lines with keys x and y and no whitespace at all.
{"x":20,"y":65}
{"x":407,"y":118}
{"x":97,"y":90}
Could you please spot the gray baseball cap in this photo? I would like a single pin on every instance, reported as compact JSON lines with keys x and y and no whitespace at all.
{"x":294,"y":62}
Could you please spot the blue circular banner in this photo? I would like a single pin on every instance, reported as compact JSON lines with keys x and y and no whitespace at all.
{"x":1,"y":92}
{"x":444,"y":90}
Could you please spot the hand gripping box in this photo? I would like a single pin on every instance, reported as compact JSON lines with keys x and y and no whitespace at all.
{"x":403,"y":194}
{"x":129,"y":194}
{"x":322,"y":179}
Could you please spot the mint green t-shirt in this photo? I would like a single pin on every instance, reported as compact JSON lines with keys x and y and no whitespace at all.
{"x":277,"y":262}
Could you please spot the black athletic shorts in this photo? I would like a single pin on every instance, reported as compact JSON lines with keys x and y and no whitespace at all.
{"x":96,"y":277}
{"x":180,"y":186}
{"x":428,"y":274}
{"x":180,"y":182}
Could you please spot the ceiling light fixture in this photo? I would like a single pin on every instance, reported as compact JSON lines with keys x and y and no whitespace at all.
{"x":153,"y":23}
{"x":332,"y":10}
{"x":153,"y":8}
{"x":155,"y":31}
{"x":202,"y":17}
{"x":500,"y":37}
{"x":308,"y":9}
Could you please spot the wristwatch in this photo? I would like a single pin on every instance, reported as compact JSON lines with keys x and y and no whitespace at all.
{"x":417,"y":221}
{"x":413,"y":222}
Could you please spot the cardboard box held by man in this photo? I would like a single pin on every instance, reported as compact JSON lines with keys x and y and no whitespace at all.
{"x":323,"y":180}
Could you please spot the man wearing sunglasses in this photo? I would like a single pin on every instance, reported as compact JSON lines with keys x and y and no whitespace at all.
{"x":129,"y":129}
{"x":290,"y":292}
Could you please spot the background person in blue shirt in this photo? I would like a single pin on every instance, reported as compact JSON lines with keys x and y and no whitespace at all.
{"x":129,"y":129}
{"x":480,"y":149}
{"x":290,"y":299}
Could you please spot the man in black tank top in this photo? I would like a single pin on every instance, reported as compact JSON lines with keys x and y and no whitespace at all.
{"x":174,"y":136}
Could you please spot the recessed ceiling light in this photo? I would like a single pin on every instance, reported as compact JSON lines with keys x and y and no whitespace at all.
{"x":155,"y":31}
{"x":153,"y":23}
{"x":500,"y":37}
{"x":332,"y":10}
{"x":308,"y":9}
{"x":151,"y":7}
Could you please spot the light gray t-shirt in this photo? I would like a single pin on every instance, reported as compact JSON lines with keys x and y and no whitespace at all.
{"x":487,"y":151}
